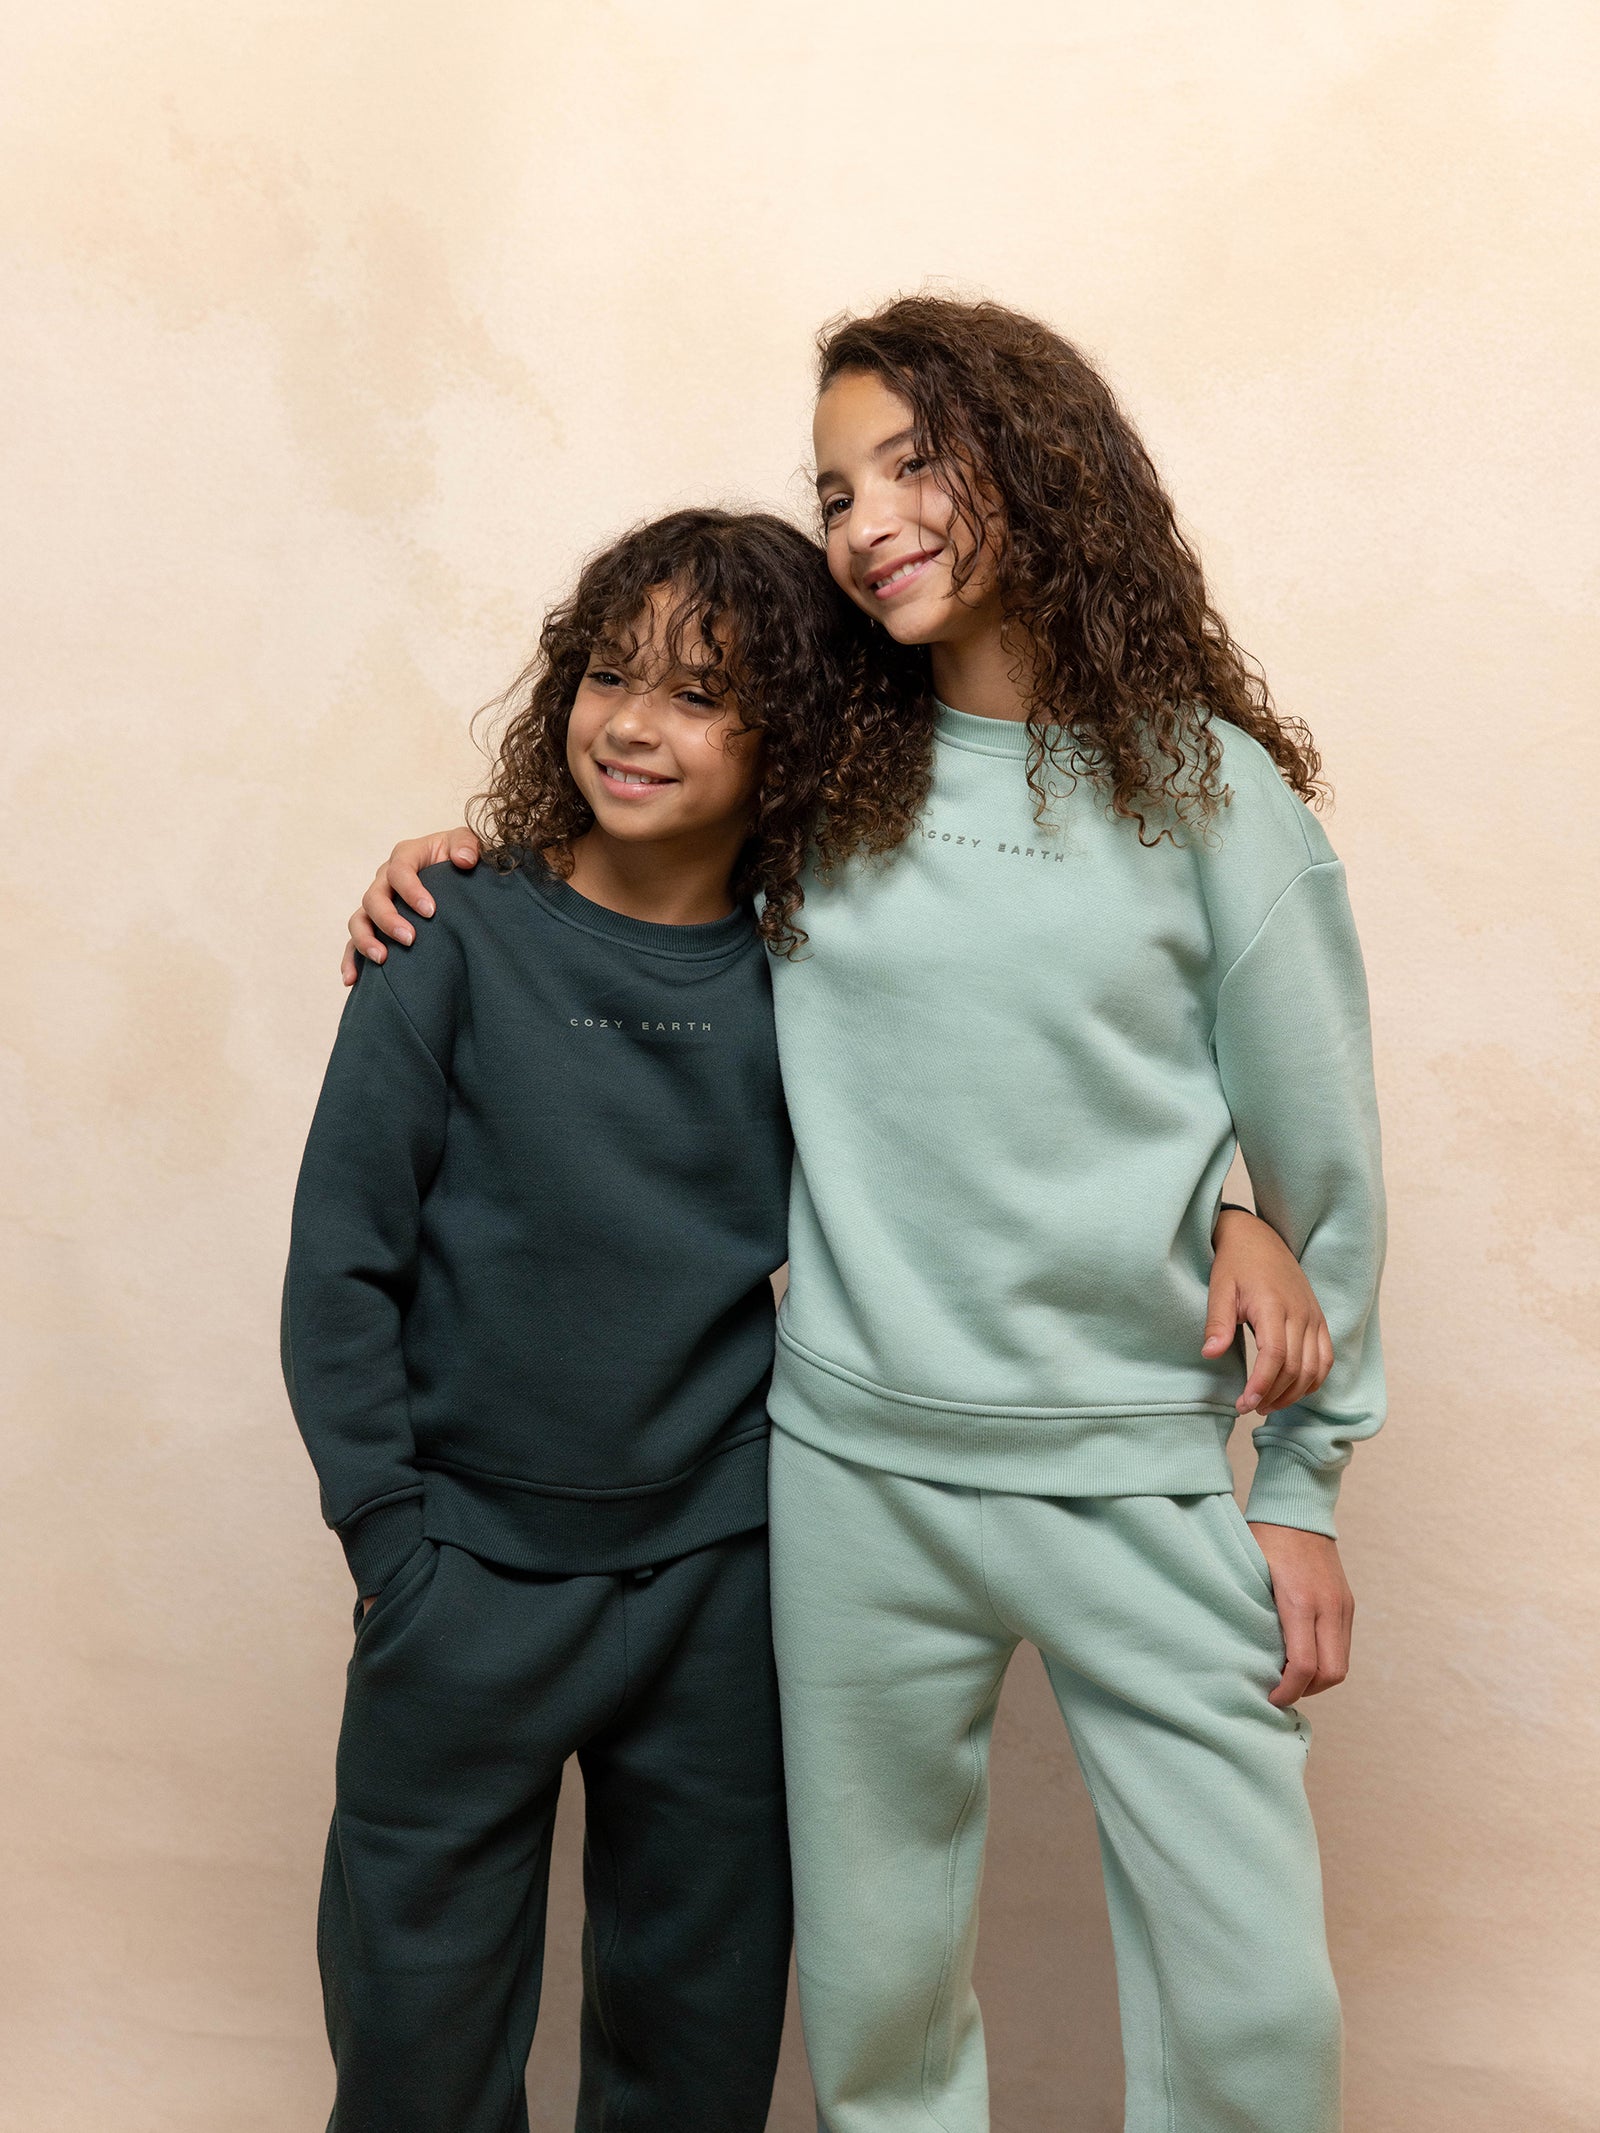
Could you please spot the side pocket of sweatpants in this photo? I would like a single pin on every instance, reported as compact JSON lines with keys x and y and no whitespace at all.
{"x":1242,"y":1543}
{"x":394,"y":1588}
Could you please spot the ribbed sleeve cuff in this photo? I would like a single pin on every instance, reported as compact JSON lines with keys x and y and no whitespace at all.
{"x":1287,"y":1492}
{"x":376,"y":1546}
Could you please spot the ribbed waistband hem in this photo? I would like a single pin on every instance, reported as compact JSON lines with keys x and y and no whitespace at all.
{"x":1163,"y":1452}
{"x":527,"y":1530}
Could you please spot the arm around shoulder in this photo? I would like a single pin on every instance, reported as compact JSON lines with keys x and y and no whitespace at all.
{"x":379,"y":917}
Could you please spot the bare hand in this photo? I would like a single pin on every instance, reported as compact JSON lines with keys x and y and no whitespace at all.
{"x":379,"y":913}
{"x":1316,"y":1609}
{"x":1256,"y":1281}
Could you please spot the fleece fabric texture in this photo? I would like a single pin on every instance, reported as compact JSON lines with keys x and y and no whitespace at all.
{"x":469,"y":1687}
{"x":1019,"y":1058}
{"x":528,"y":1307}
{"x":897,"y":1605}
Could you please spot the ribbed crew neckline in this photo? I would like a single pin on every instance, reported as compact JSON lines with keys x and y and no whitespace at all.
{"x":984,"y":736}
{"x":715,"y":937}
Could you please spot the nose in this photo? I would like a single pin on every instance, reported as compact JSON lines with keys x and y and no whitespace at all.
{"x":633,"y":718}
{"x":873,"y":518}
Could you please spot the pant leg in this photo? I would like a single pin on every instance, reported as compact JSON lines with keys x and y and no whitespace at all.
{"x":686,"y":1859}
{"x":1156,"y":1620}
{"x":468,"y":1688}
{"x":890,"y":1661}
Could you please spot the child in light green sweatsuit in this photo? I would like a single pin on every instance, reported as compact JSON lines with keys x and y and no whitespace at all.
{"x":1019,"y":1058}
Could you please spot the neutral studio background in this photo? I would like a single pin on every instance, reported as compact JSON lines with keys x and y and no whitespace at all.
{"x":334,"y":333}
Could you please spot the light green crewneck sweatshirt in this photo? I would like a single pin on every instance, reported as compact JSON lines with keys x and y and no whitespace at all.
{"x":1017,"y":1061}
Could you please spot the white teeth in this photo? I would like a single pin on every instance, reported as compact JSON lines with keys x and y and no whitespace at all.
{"x":896,"y":576}
{"x":633,"y":777}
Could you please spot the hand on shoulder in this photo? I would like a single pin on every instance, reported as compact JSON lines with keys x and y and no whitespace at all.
{"x":399,"y":877}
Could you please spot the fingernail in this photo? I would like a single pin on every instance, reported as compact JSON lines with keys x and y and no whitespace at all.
{"x":426,"y":906}
{"x":405,"y":936}
{"x":1250,"y":1400}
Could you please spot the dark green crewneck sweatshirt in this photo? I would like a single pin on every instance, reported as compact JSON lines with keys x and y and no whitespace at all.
{"x":527,"y":1308}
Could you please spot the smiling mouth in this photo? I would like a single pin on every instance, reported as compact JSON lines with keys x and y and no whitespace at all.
{"x":629,"y":779}
{"x":884,"y":584}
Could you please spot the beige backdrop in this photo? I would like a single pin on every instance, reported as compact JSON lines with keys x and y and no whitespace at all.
{"x":335,"y":332}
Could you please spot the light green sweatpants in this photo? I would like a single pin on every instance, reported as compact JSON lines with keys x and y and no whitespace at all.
{"x":897,"y":1605}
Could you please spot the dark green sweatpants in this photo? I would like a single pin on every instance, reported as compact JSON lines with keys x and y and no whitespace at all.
{"x":469,"y":1687}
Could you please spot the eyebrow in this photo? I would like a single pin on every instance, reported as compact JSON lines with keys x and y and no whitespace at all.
{"x":889,"y":444}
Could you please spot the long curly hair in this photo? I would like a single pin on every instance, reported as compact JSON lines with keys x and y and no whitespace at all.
{"x":1125,"y":660}
{"x":752,"y":604}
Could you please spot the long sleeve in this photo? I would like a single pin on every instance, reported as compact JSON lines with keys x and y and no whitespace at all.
{"x":1293,"y":1048}
{"x":375,"y":1143}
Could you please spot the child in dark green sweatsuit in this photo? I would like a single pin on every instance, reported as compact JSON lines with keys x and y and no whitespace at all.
{"x":528,"y":1331}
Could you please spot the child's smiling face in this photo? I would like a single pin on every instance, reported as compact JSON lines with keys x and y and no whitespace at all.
{"x":894,"y":536}
{"x":655,"y":740}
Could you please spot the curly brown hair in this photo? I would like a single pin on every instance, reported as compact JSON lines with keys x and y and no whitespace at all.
{"x":772,"y":632}
{"x":1125,"y":660}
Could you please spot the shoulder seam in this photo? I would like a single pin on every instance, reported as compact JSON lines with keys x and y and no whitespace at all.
{"x":404,"y":1013}
{"x":1314,"y":866}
